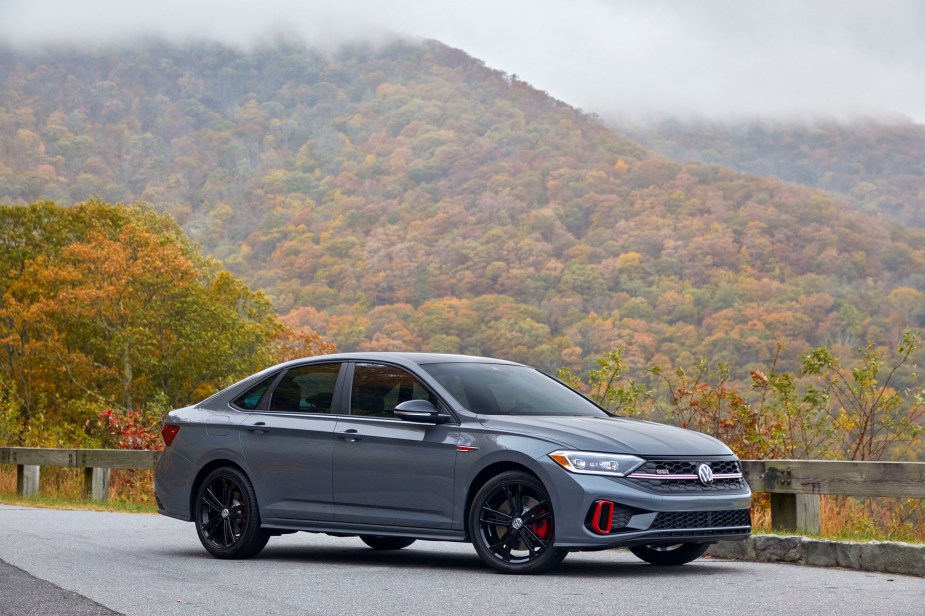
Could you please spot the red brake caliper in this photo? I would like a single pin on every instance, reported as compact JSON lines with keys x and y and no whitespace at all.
{"x":541,"y":528}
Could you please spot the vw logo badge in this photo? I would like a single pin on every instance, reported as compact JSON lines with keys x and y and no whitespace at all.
{"x":705,"y":473}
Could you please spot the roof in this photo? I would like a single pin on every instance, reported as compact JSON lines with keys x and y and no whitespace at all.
{"x":402,"y":357}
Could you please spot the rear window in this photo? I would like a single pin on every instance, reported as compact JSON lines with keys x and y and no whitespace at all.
{"x":250,"y":399}
{"x":308,"y":389}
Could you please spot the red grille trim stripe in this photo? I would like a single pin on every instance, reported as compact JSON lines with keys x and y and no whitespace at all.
{"x":654,"y":476}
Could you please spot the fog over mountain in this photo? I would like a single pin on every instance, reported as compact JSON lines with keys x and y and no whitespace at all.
{"x":719,"y":59}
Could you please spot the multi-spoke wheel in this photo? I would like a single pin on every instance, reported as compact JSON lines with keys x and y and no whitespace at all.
{"x":670,"y":555}
{"x":227,"y":520}
{"x":511,"y":524}
{"x":382,"y":542}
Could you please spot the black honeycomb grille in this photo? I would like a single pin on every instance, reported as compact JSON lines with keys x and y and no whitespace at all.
{"x":692,"y":484}
{"x":701,"y":519}
{"x":688,"y":467}
{"x":621,"y":517}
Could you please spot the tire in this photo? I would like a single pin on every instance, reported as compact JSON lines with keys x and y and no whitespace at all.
{"x":520,"y":542}
{"x":670,"y":555}
{"x":226,"y":516}
{"x":380,"y":542}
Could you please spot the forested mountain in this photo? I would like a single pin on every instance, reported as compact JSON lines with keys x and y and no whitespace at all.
{"x":878,"y":166}
{"x":408,"y":197}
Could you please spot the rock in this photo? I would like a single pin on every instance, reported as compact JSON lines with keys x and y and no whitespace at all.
{"x":848,"y":555}
{"x":821,"y":553}
{"x":893,"y":557}
{"x":734,"y":550}
{"x":882,"y":556}
{"x":773,"y":549}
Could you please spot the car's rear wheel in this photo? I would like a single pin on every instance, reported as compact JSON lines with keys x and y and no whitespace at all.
{"x":381,"y":542}
{"x":227,"y":520}
{"x":512,"y":526}
{"x":670,"y":555}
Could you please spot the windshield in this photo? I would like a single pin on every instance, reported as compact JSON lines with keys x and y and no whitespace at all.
{"x":499,"y":389}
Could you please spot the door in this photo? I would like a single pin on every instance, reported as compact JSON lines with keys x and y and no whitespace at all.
{"x":386,"y":470}
{"x":288,"y":444}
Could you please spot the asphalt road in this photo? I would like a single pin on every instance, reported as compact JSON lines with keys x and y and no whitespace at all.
{"x":89,"y":563}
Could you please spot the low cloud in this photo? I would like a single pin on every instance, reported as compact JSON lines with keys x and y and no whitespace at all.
{"x":720,"y":59}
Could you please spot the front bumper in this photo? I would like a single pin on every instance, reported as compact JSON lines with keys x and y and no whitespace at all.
{"x":575,"y":496}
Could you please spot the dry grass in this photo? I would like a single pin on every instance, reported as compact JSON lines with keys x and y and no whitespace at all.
{"x":7,"y":479}
{"x":889,"y":519}
{"x":63,"y":488}
{"x":857,"y":519}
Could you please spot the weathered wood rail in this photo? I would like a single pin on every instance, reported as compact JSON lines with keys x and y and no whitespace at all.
{"x":794,"y":485}
{"x":95,"y":462}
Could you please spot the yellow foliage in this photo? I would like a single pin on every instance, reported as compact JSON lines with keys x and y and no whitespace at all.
{"x":629,"y":260}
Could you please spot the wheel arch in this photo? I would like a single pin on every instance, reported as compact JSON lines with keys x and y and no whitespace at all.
{"x":485,"y":475}
{"x":203,"y":473}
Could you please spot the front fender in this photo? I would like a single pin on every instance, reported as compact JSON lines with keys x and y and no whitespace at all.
{"x":499,"y":451}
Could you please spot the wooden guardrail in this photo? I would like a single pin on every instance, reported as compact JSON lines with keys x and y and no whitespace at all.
{"x":794,"y":485}
{"x":95,"y":462}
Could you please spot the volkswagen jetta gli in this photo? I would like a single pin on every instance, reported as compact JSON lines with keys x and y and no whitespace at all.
{"x":394,"y":447}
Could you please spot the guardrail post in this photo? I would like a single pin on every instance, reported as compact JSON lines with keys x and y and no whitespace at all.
{"x":96,"y":484}
{"x":27,"y":479}
{"x":795,"y":513}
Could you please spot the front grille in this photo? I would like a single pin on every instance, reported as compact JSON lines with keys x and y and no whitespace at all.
{"x":701,"y":519}
{"x":680,"y":476}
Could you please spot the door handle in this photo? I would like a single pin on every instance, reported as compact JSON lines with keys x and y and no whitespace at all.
{"x":349,"y":435}
{"x":259,"y":427}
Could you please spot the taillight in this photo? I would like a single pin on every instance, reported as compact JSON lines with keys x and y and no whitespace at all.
{"x":169,"y":431}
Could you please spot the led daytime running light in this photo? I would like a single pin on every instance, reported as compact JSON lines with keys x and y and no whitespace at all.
{"x":593,"y":463}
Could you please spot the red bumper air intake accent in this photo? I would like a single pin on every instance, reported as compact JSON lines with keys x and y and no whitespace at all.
{"x":602,"y":518}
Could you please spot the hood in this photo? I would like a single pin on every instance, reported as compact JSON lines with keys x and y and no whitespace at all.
{"x":610,"y":435}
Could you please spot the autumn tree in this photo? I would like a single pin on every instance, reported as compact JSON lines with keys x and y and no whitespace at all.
{"x":869,"y":413}
{"x":125,"y":316}
{"x":865,"y":408}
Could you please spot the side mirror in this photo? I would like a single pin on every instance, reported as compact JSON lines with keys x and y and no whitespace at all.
{"x":419,"y":411}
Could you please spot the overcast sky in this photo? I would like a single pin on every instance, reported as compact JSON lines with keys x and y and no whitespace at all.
{"x":714,"y":58}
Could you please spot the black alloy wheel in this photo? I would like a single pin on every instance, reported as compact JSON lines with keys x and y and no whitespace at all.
{"x":511,"y":525}
{"x":670,"y":555}
{"x":227,"y":520}
{"x":382,"y":542}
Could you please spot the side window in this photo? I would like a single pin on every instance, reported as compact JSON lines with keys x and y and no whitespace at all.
{"x":251,"y":398}
{"x":309,"y":389}
{"x":377,"y":389}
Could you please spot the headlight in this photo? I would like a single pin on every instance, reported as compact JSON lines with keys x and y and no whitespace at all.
{"x":588,"y":463}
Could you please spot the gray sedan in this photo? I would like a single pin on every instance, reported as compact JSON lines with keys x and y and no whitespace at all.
{"x":395,"y":447}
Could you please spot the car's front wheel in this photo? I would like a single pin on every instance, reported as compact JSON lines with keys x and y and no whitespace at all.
{"x":512,"y":526}
{"x":227,"y":520}
{"x":670,"y":555}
